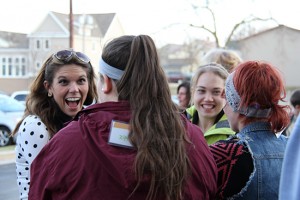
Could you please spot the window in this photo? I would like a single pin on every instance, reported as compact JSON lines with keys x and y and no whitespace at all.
{"x":3,"y":67}
{"x":10,"y":69}
{"x":23,"y":70}
{"x":23,"y":66}
{"x":12,"y":66}
{"x":47,"y":45}
{"x":38,"y":44}
{"x":3,"y":70}
{"x":18,"y":70}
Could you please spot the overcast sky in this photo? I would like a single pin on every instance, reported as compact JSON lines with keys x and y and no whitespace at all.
{"x":160,"y":18}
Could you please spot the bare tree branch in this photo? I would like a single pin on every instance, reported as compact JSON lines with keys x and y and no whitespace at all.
{"x":210,"y":31}
{"x":213,"y":16}
{"x":245,"y":21}
{"x":214,"y":33}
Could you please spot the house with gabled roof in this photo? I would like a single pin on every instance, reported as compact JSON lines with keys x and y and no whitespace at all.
{"x":21,"y":55}
{"x":280,"y":46}
{"x":14,"y":63}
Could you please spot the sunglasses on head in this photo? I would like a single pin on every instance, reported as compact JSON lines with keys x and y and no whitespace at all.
{"x":67,"y":55}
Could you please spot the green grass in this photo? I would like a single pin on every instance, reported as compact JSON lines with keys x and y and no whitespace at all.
{"x":8,"y":148}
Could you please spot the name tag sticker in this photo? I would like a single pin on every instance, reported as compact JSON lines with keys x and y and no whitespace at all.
{"x":119,"y":134}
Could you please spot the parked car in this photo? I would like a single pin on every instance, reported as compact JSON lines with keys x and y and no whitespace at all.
{"x":178,"y":76}
{"x":20,"y":95}
{"x":175,"y":76}
{"x":11,"y":112}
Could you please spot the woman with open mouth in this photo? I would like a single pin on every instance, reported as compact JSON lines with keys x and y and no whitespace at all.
{"x":65,"y":83}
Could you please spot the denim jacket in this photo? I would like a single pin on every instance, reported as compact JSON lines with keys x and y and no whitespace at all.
{"x":267,"y":152}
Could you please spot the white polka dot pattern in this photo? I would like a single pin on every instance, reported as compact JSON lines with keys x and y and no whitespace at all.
{"x":32,"y":137}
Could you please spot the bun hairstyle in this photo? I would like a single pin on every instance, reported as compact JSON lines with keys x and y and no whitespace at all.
{"x":229,"y":59}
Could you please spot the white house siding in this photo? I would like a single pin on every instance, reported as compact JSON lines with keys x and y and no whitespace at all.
{"x":115,"y":30}
{"x":279,"y":46}
{"x":89,"y":46}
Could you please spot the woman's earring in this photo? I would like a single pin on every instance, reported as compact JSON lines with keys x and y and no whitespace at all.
{"x":49,"y":94}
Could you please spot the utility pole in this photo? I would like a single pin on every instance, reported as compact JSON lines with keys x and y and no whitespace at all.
{"x":71,"y":25}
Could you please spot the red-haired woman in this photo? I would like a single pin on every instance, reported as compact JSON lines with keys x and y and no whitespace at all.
{"x":249,"y":164}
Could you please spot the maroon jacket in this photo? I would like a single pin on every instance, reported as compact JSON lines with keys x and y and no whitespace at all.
{"x":78,"y":162}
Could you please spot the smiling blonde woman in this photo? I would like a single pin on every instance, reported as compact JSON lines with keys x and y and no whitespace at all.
{"x":208,"y":98}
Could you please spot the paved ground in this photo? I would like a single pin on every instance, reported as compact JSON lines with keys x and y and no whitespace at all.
{"x":8,"y":182}
{"x":8,"y":176}
{"x":7,"y":154}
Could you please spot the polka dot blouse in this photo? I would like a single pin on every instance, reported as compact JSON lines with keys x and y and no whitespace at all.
{"x":31,"y":138}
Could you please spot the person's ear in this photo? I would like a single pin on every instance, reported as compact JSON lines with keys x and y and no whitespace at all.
{"x":107,"y":86}
{"x":46,"y":85}
{"x":48,"y":88}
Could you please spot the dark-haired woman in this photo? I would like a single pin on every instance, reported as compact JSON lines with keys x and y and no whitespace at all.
{"x":64,"y":84}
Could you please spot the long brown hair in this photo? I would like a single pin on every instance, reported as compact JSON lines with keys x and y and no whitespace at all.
{"x":157,"y":130}
{"x":38,"y":103}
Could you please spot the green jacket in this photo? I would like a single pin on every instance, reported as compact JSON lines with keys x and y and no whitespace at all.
{"x":219,"y":131}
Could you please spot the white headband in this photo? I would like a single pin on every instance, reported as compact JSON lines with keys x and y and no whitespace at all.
{"x":110,"y":71}
{"x":234,"y":100}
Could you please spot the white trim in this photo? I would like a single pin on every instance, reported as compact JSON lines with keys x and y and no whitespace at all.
{"x":59,"y":23}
